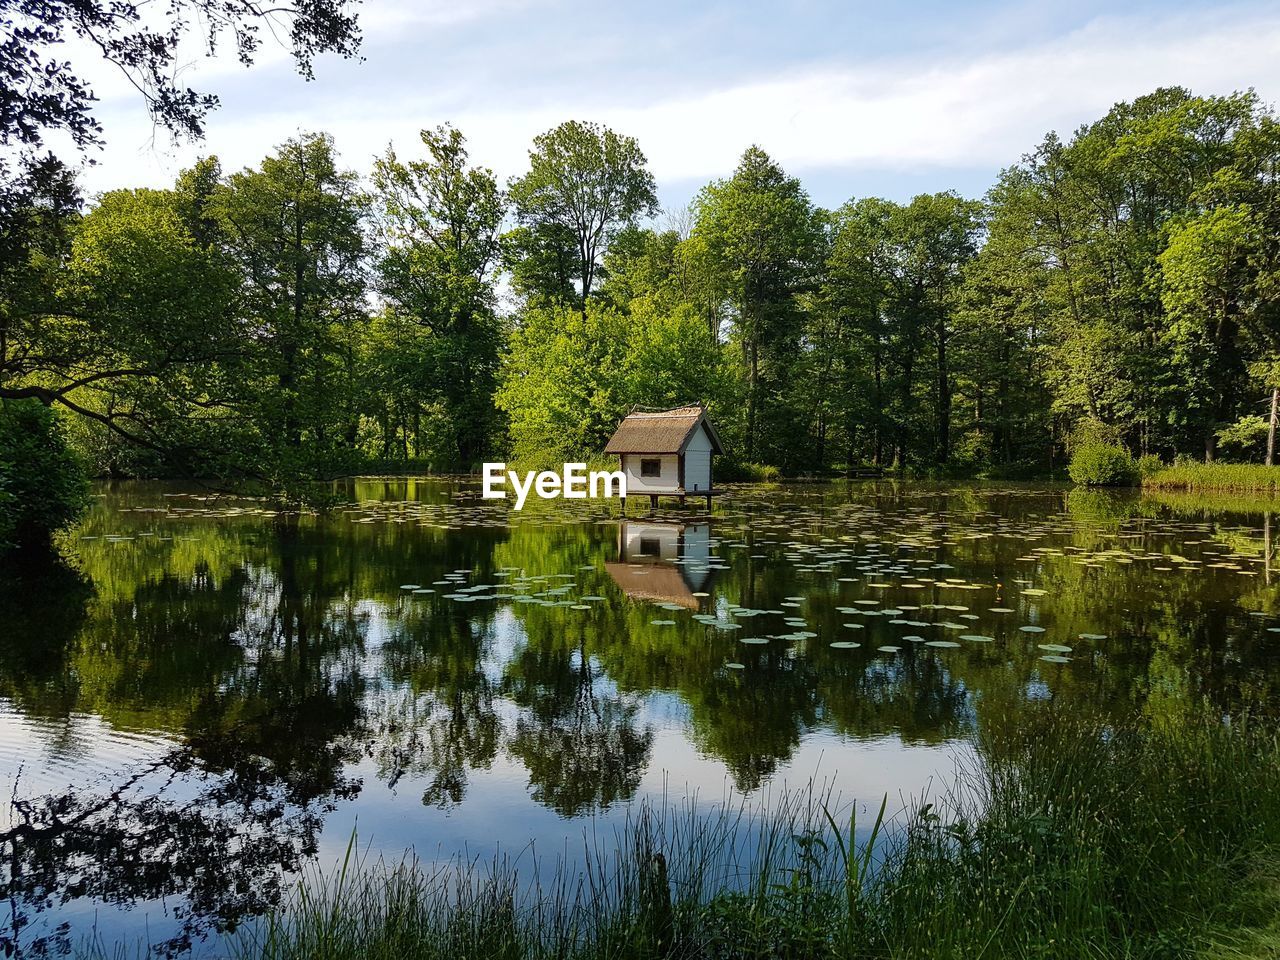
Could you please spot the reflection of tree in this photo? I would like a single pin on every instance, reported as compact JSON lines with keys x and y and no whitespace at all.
{"x":913,"y":694}
{"x":45,"y":607}
{"x":145,"y":657}
{"x":291,"y":709}
{"x":444,"y":724}
{"x":222,"y":851}
{"x":753,"y":718}
{"x":259,"y":667}
{"x":582,"y":749}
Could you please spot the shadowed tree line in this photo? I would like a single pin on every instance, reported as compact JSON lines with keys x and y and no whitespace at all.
{"x":298,"y":319}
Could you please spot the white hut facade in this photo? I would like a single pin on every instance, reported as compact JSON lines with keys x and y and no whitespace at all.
{"x":666,"y":453}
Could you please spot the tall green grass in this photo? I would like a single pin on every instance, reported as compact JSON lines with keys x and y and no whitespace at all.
{"x":1064,"y":838}
{"x":1240,"y":477}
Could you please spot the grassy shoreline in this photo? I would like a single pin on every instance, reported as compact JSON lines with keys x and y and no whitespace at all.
{"x":1069,"y":839}
{"x":1236,"y":477}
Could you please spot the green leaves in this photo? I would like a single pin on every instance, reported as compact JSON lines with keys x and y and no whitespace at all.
{"x":570,"y":376}
{"x":43,"y":488}
{"x":764,"y":238}
{"x":438,"y":220}
{"x":585,"y":182}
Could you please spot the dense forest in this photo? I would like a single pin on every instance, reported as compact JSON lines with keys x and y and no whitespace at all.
{"x":302,"y":318}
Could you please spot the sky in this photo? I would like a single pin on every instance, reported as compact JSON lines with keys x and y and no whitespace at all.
{"x":856,"y":98}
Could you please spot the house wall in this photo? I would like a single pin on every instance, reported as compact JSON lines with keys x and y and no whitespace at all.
{"x":696,"y":550}
{"x":668,"y":482}
{"x":697,"y":461}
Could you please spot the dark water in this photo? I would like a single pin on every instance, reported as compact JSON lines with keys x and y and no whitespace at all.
{"x":209,"y":696}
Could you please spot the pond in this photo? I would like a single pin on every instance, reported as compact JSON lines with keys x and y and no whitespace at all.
{"x":209,"y":696}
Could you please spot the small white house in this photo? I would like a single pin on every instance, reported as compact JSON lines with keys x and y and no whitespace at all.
{"x":667,"y":452}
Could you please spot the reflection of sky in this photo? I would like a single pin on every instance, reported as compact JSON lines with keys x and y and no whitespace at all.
{"x":388,"y":822}
{"x":39,"y":756}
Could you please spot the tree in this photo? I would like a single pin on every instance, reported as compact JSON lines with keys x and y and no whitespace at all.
{"x":128,"y":311}
{"x":762,"y":231}
{"x":1220,"y":272}
{"x":542,"y":264}
{"x":42,"y":486}
{"x":41,"y":94}
{"x":934,"y":237}
{"x":1201,"y":287}
{"x":293,"y":230}
{"x":561,"y":381}
{"x":569,"y":376}
{"x":439,"y":221}
{"x":1128,"y":341}
{"x":851,"y":326}
{"x":585,"y":182}
{"x":1000,"y":324}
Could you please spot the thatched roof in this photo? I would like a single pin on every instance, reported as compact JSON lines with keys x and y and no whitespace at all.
{"x":661,"y":431}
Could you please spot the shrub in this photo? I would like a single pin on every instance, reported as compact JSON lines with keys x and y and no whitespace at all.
{"x":1102,"y":465}
{"x":43,"y":487}
{"x":1089,"y":432}
{"x":732,"y":471}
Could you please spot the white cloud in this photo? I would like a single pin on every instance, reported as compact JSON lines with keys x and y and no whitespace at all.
{"x":892,"y":114}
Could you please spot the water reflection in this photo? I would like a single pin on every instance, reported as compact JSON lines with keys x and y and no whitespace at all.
{"x":663,"y":562}
{"x":250,"y":676}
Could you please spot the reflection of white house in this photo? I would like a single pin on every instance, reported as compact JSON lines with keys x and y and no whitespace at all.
{"x":666,"y":452}
{"x":667,"y":562}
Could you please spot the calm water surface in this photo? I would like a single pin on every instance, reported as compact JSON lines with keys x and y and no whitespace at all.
{"x":208,"y":696}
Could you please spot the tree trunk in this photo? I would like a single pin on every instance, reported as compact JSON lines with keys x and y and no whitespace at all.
{"x":752,"y":384}
{"x":877,"y":417}
{"x":944,"y":395}
{"x":1271,"y":431}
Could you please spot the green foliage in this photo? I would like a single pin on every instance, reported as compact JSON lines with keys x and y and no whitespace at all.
{"x":585,"y":182}
{"x":560,"y":395}
{"x":439,"y":220}
{"x":1095,"y":464}
{"x":293,"y":229}
{"x":572,"y":375}
{"x":1149,"y":465}
{"x":43,"y":488}
{"x":734,"y":471}
{"x":762,"y":234}
{"x":1118,"y":286}
{"x":1246,"y":435}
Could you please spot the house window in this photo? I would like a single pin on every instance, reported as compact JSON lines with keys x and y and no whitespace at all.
{"x":650,"y":547}
{"x":650,"y":467}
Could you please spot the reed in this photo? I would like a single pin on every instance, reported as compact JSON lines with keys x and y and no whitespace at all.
{"x":1063,"y":838}
{"x":1238,"y":477}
